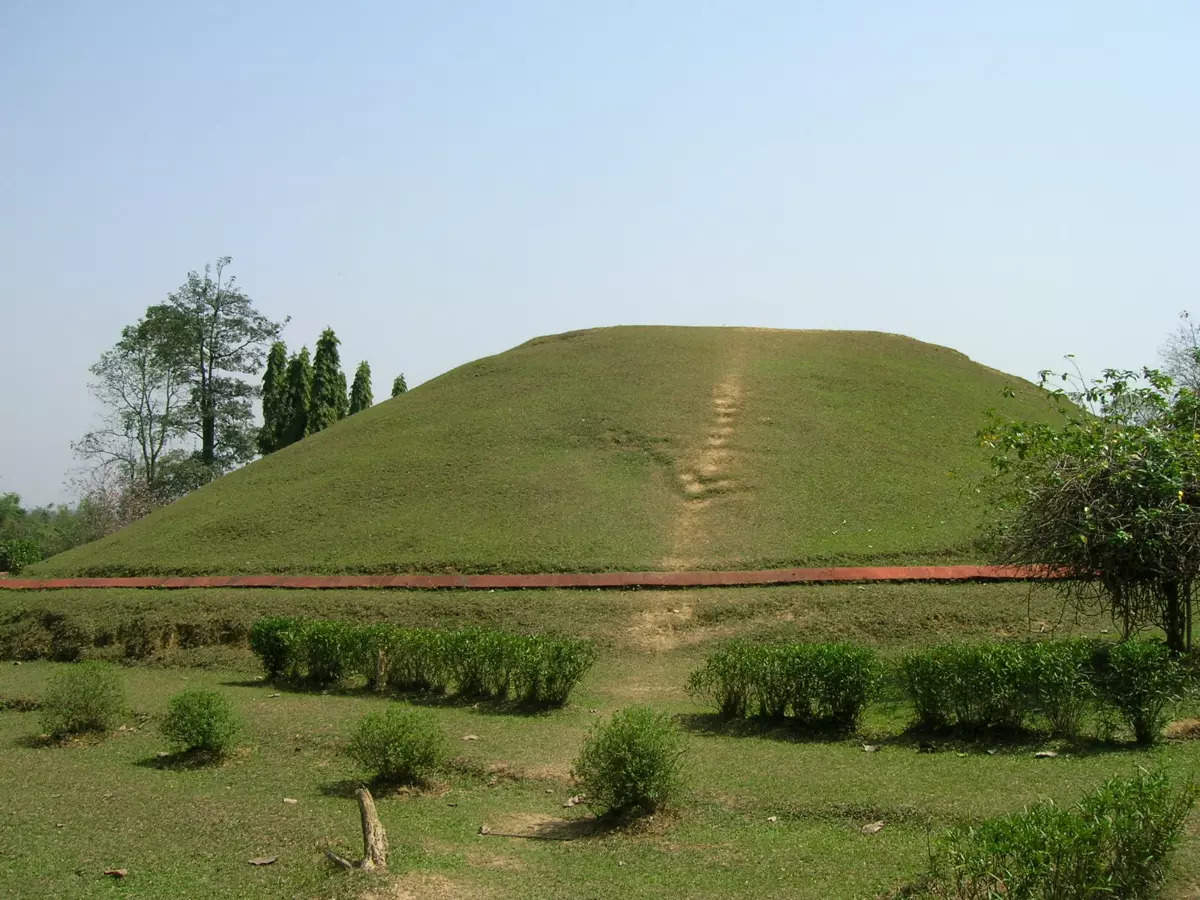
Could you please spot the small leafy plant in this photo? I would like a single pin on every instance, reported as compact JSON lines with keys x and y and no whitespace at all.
{"x":399,"y":744}
{"x":87,"y":696}
{"x":201,"y":720}
{"x":632,"y":763}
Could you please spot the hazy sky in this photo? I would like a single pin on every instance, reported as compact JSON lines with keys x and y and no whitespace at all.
{"x":439,"y":181}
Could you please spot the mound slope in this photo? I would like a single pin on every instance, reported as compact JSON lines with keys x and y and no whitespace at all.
{"x":618,"y":448}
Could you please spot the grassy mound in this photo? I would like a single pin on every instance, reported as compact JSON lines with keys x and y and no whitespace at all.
{"x":616,"y":448}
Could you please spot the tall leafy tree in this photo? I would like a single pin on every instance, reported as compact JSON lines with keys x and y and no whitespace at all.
{"x":329,"y":402}
{"x":145,"y":392}
{"x":360,"y":392}
{"x":399,"y":386}
{"x":298,"y":398}
{"x":274,"y":399}
{"x":210,"y":330}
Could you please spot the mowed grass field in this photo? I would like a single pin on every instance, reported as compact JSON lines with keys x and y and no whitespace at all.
{"x":769,"y":812}
{"x":616,"y":448}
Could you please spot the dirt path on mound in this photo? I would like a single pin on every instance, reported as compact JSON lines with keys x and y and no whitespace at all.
{"x":706,"y":473}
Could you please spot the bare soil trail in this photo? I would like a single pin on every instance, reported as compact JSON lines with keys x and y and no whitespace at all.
{"x":708,"y":472}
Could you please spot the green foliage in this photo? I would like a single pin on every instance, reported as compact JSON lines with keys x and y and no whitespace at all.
{"x":299,"y":398}
{"x":1111,"y":493}
{"x":210,"y":331}
{"x":328,"y":403}
{"x":399,"y":385}
{"x":87,"y":696}
{"x":1002,"y":685}
{"x":536,"y":670}
{"x":631,"y":763}
{"x":277,"y":642}
{"x":360,"y":392}
{"x":971,"y":686}
{"x":1114,"y":843}
{"x":201,"y":720}
{"x":818,"y":684}
{"x":399,"y":744}
{"x":30,"y":535}
{"x":330,"y":648}
{"x":17,"y":553}
{"x":1140,"y":679}
{"x":274,"y":400}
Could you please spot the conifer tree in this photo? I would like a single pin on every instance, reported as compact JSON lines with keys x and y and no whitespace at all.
{"x":329,"y":401}
{"x":399,"y":386}
{"x":298,"y":399}
{"x":360,"y":392}
{"x":274,"y":399}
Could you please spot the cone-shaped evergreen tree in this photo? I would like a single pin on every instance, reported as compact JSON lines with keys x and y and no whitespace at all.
{"x":329,"y":384}
{"x":360,"y":392}
{"x":274,"y":399}
{"x":399,"y":386}
{"x":298,"y":399}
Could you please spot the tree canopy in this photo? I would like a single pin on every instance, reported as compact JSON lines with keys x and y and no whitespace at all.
{"x":399,"y":385}
{"x":329,"y":402}
{"x":211,"y":332}
{"x":360,"y":391}
{"x":274,"y":400}
{"x":1110,"y":494}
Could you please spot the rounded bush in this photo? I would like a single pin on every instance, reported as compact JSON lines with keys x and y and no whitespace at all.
{"x":201,"y":720}
{"x":87,"y":696}
{"x":1140,"y":679}
{"x":399,"y":744}
{"x":632,"y":762}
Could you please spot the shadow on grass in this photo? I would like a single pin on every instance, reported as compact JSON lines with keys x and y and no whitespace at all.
{"x":999,"y":742}
{"x":183,"y":760}
{"x":49,"y":741}
{"x":485,"y":705}
{"x":787,"y":730}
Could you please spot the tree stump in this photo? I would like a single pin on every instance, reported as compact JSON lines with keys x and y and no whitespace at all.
{"x":375,"y":846}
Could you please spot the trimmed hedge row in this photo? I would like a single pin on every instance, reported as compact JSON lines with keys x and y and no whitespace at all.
{"x":816,"y":684}
{"x":1006,"y":684}
{"x":538,"y":670}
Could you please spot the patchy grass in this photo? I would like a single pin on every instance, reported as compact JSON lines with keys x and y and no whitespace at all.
{"x":72,"y":809}
{"x":615,"y":448}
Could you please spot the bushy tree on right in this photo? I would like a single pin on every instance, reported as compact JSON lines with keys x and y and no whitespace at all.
{"x":1109,"y":494}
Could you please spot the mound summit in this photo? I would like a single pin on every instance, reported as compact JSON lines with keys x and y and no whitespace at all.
{"x":606,"y":449}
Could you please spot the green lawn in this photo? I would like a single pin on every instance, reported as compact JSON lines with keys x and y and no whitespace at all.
{"x":617,"y":448}
{"x":69,"y":812}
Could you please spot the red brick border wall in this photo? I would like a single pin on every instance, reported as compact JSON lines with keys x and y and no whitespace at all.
{"x":556,"y":580}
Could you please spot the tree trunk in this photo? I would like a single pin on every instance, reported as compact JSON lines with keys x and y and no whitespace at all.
{"x":375,"y":845}
{"x":208,"y":438}
{"x":1173,"y":618}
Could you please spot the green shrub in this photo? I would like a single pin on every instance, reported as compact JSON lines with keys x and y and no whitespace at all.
{"x":419,"y":660}
{"x":548,"y":668}
{"x":1115,"y":843}
{"x":1063,"y":679}
{"x":1139,"y":680}
{"x":201,"y":720}
{"x":632,"y":762}
{"x":17,"y":553}
{"x":827,"y":684}
{"x":972,"y":686}
{"x":87,"y":696}
{"x":399,"y":743}
{"x":329,"y":650}
{"x":726,"y":679}
{"x":276,"y":641}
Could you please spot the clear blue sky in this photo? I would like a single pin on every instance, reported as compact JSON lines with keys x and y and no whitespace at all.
{"x":440,"y":181}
